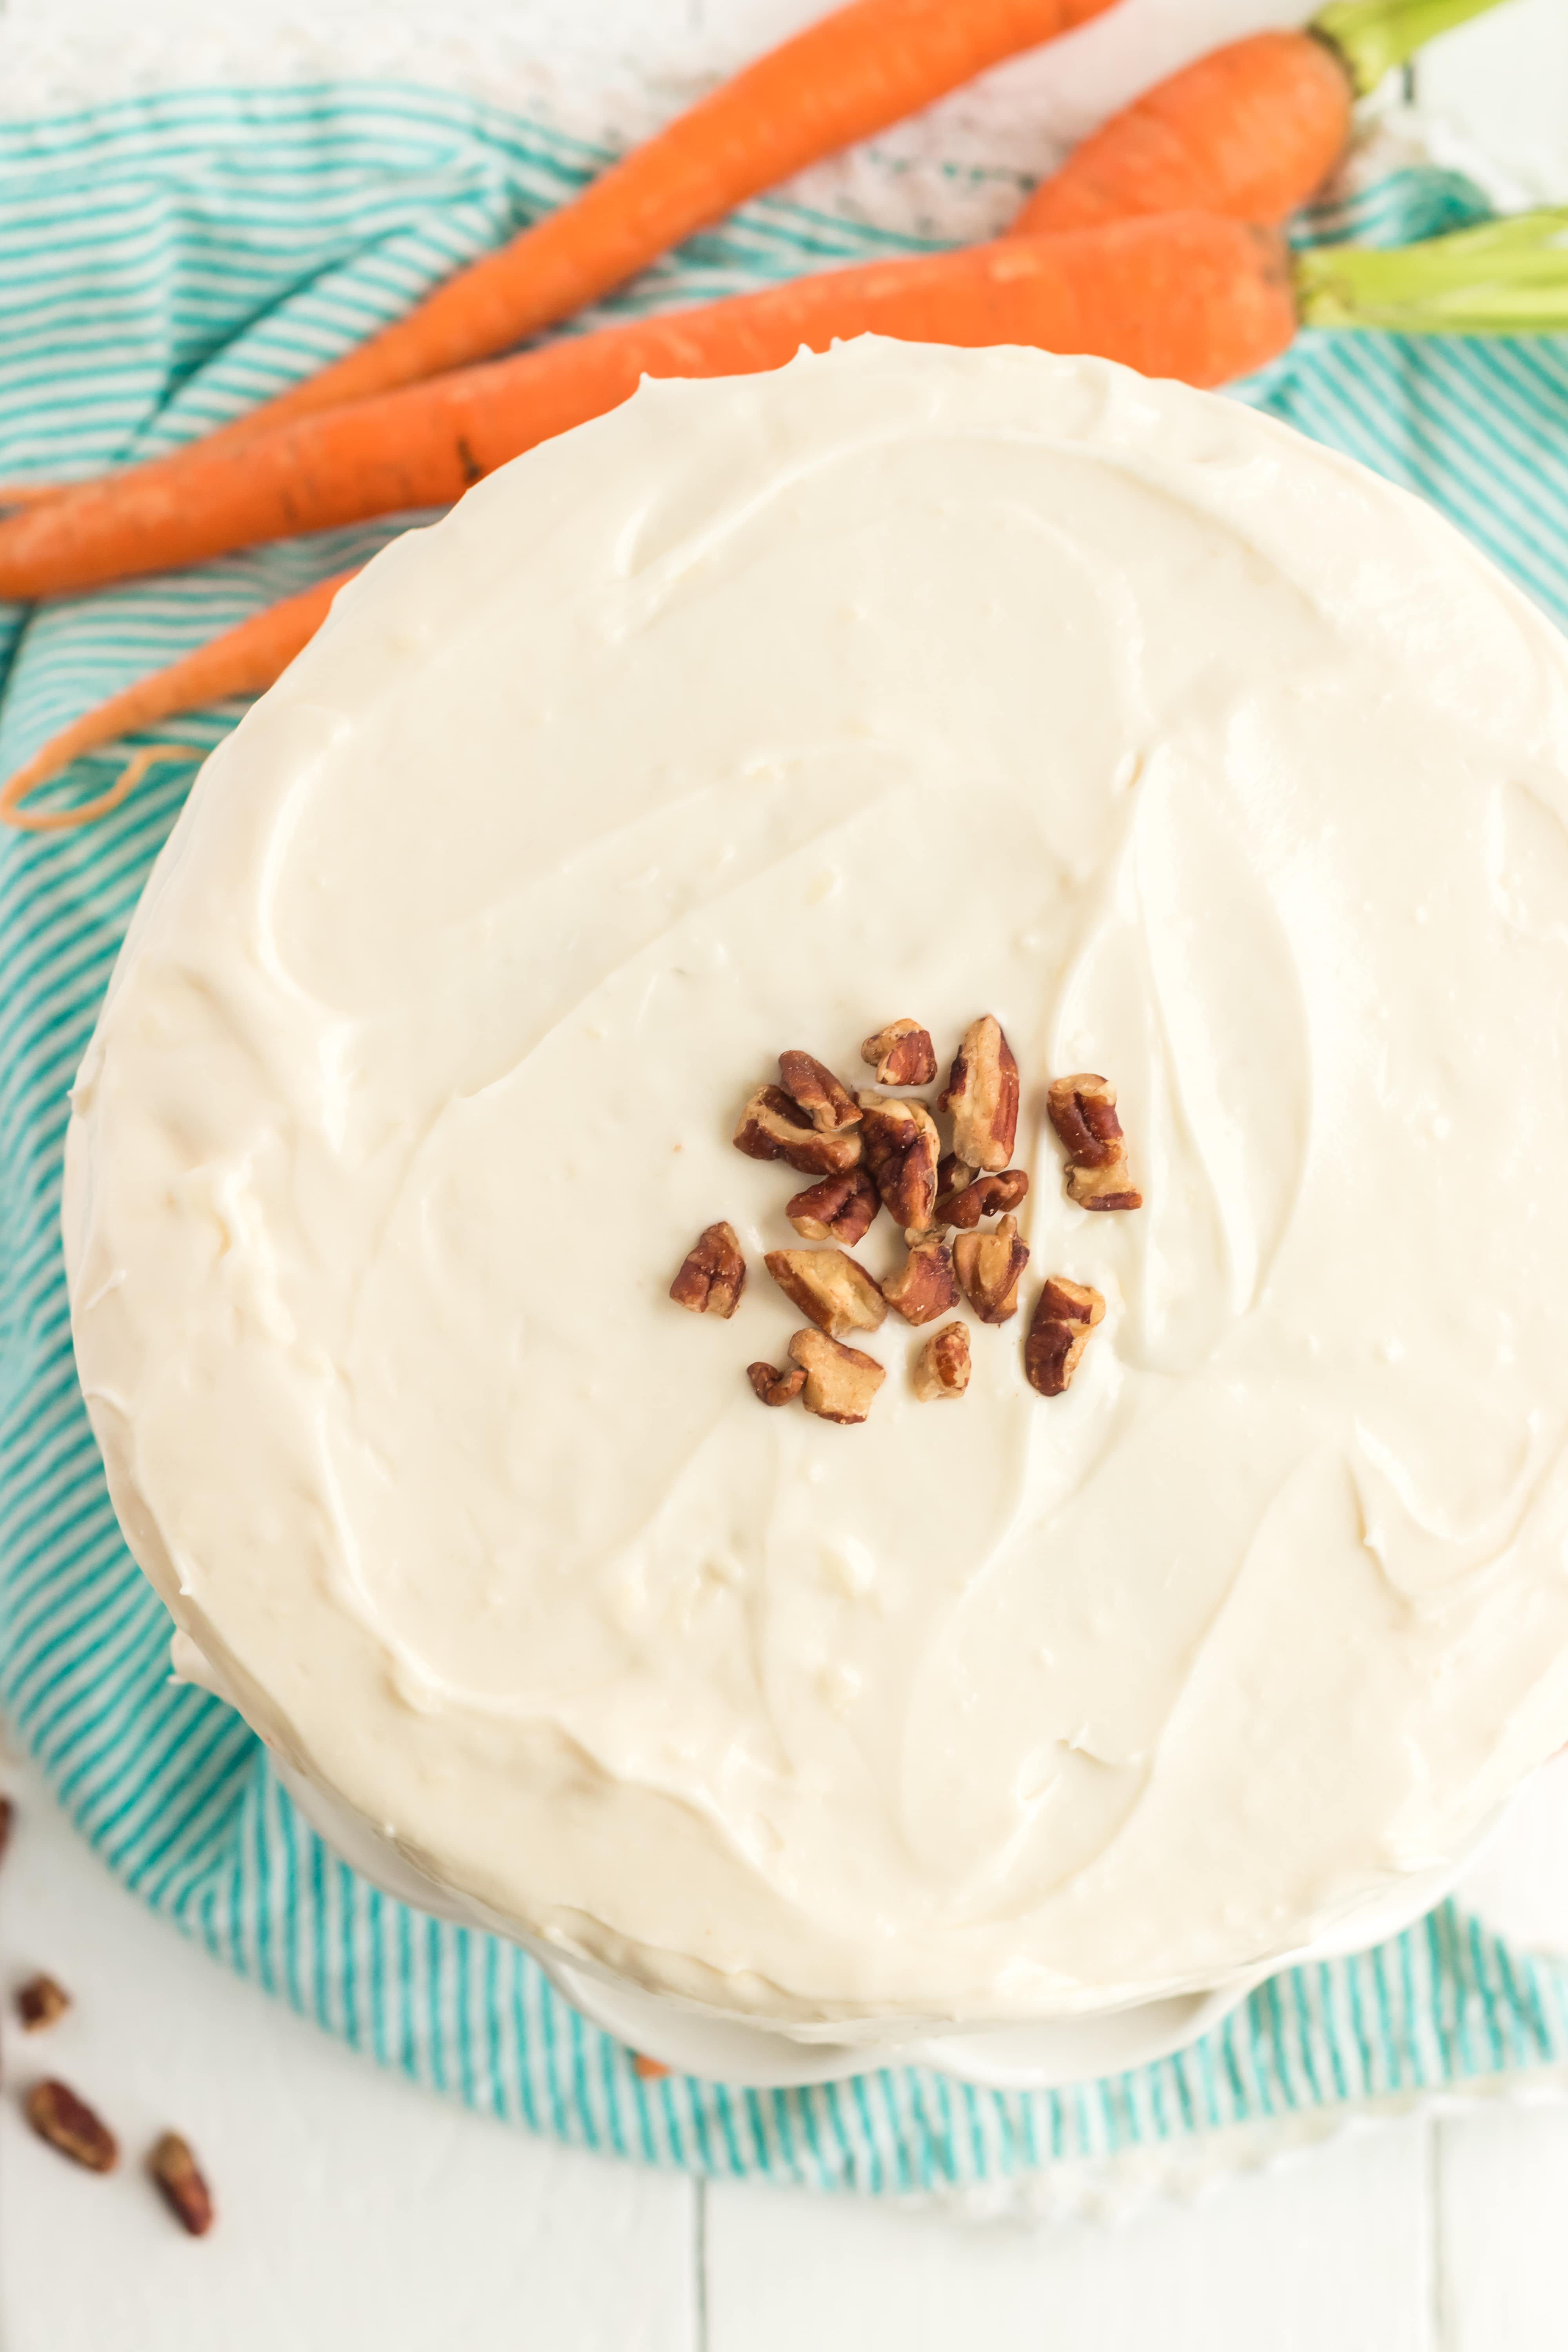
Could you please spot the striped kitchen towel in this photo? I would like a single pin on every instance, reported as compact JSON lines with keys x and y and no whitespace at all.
{"x":163,"y":262}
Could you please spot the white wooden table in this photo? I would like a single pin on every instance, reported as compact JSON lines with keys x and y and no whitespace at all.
{"x":356,"y":2212}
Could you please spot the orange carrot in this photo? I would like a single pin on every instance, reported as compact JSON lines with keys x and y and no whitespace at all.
{"x":1186,"y":295}
{"x":242,"y":661}
{"x":852,"y":73}
{"x":1250,"y":131}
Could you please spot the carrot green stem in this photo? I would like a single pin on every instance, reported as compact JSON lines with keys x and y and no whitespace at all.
{"x":1506,"y":278}
{"x":1372,"y":37}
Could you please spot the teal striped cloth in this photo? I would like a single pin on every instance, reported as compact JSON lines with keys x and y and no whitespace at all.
{"x":162,"y":262}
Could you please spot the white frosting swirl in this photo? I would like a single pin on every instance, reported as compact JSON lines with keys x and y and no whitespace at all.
{"x":903,"y":681}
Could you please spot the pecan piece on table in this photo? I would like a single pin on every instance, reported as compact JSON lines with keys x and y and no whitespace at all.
{"x":40,"y":2002}
{"x":712,"y":1274}
{"x":1064,"y":1314}
{"x":835,"y":1209}
{"x":982,"y":1093}
{"x":840,"y":1382}
{"x":1083,"y":1111}
{"x":989,"y":1267}
{"x":69,"y":2123}
{"x":181,"y":2183}
{"x":985,"y":1196}
{"x":902,"y":1055}
{"x":953,"y":1177}
{"x":774,"y":1387}
{"x":902,"y":1148}
{"x":839,"y":1296}
{"x":8,"y":1817}
{"x":774,"y":1128}
{"x":942,"y":1368}
{"x":923,"y":1286}
{"x":812,"y":1086}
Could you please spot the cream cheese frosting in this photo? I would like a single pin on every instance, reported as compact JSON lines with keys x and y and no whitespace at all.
{"x":902,"y":682}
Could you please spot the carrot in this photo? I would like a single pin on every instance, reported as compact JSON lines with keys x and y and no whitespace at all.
{"x":242,"y":661}
{"x":1187,"y":296}
{"x":852,"y":73}
{"x":1250,"y":131}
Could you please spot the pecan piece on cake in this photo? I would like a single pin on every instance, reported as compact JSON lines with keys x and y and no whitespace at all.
{"x":69,"y":2123}
{"x":712,"y":1274}
{"x":774,"y":1128}
{"x":1083,"y":1111}
{"x":902,"y":1148}
{"x":923,"y":1286}
{"x":181,"y":2183}
{"x":942,"y":1368}
{"x":984,"y":1196}
{"x":840,"y":1382}
{"x":812,"y":1086}
{"x":982,"y":1093}
{"x":772,"y":1386}
{"x":835,"y":1209}
{"x":39,"y":2002}
{"x":1064,"y":1314}
{"x":989,"y":1267}
{"x":839,"y":1296}
{"x":902,"y":1055}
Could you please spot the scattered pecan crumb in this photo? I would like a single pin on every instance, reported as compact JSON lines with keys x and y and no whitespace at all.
{"x":8,"y":1817}
{"x":840,"y":1382}
{"x":179,"y":2178}
{"x":712,"y":1274}
{"x":810,"y":1084}
{"x":923,"y":1286}
{"x":774,"y":1128}
{"x":40,"y":2002}
{"x":69,"y":2123}
{"x":982,"y":1093}
{"x":903,"y":1053}
{"x":1083,"y":1112}
{"x":651,"y":2069}
{"x":902,"y":1148}
{"x":835,"y":1209}
{"x":986,"y":1196}
{"x":989,"y":1267}
{"x":774,"y":1387}
{"x":1064,"y":1314}
{"x":839,"y":1296}
{"x":942,"y":1368}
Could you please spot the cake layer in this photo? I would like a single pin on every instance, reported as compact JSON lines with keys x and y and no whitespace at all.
{"x":905,"y":682}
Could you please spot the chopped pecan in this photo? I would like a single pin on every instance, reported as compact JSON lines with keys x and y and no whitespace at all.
{"x":839,"y":1296}
{"x":987,"y":1196}
{"x":982,"y":1093}
{"x":772,"y":1128}
{"x":837,"y":1209}
{"x":840,"y":1382}
{"x":69,"y":2123}
{"x":826,"y":1100}
{"x":1064,"y":1314}
{"x":179,"y":2178}
{"x":902,"y":1148}
{"x":953,"y":1177}
{"x":989,"y":1267}
{"x":7,"y":1816}
{"x":40,"y":2002}
{"x":712,"y":1274}
{"x":924,"y":1287}
{"x":774,"y":1387}
{"x":903,"y":1053}
{"x":1083,"y":1112}
{"x":942,"y":1368}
